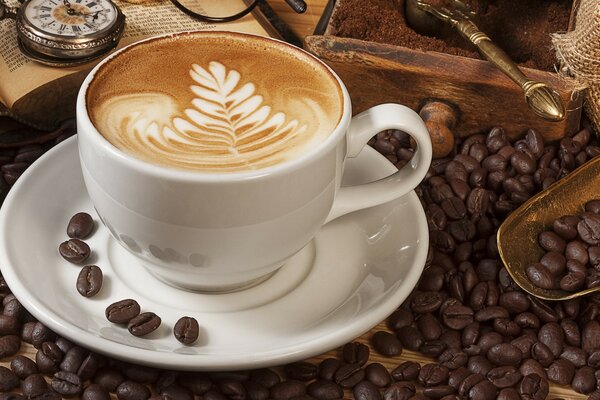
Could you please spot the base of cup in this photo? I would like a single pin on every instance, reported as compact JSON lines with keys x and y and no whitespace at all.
{"x":216,"y":289}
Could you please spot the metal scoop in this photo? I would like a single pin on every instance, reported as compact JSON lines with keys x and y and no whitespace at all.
{"x":434,"y":20}
{"x":517,"y":237}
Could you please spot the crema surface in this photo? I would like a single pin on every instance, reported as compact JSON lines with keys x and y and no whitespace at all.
{"x":214,"y":102}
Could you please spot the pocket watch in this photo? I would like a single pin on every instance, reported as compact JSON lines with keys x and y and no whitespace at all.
{"x":66,"y":32}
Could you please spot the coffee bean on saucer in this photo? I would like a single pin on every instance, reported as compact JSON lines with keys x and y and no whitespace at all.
{"x":95,"y":392}
{"x":186,"y":330}
{"x":23,"y":366}
{"x":66,"y":384}
{"x":143,"y":324}
{"x":74,"y":250}
{"x":121,"y":312}
{"x":80,"y":226}
{"x":89,"y":281}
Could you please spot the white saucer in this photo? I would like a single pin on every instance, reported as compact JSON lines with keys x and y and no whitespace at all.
{"x":354,"y":273}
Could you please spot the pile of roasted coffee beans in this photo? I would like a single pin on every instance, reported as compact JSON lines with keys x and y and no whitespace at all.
{"x":486,"y":339}
{"x":571,"y":260}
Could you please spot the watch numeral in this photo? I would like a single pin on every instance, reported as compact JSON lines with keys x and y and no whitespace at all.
{"x":91,"y":4}
{"x":89,"y":26}
{"x":45,"y":16}
{"x":62,"y":27}
{"x":52,"y":1}
{"x":45,"y":8}
{"x":76,"y":29}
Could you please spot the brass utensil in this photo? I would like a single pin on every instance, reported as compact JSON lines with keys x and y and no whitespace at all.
{"x":426,"y":18}
{"x":517,"y":236}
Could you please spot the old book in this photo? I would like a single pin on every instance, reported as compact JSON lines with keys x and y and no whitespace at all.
{"x":41,"y":96}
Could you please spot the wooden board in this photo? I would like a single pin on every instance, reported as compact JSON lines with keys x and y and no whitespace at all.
{"x":376,"y":73}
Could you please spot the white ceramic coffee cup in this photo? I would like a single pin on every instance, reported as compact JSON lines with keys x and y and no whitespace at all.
{"x":224,"y":231}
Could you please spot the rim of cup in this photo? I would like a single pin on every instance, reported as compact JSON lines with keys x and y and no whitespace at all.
{"x":87,"y":128}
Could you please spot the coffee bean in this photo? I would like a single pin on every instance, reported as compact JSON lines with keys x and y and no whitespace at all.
{"x":566,"y":227}
{"x":469,"y":382}
{"x":400,"y":391}
{"x":355,"y":353}
{"x":514,"y":302}
{"x":442,"y":241}
{"x":138,"y":373}
{"x":425,"y":302}
{"x":89,"y":281}
{"x":489,"y":340}
{"x":89,"y":366}
{"x":48,"y":358}
{"x":231,"y":388}
{"x":457,"y":317}
{"x":554,"y":262}
{"x":74,"y":250}
{"x":533,"y":387}
{"x":122,"y":311}
{"x":578,"y":251}
{"x":8,"y":380}
{"x":433,"y":375}
{"x":504,"y":354}
{"x":590,"y":336}
{"x":143,"y":324}
{"x":531,"y":366}
{"x":23,"y":366}
{"x":26,"y":331}
{"x":186,"y":330}
{"x":328,"y":367}
{"x":594,"y":359}
{"x":40,"y":334}
{"x":386,"y":344}
{"x":410,"y":337}
{"x":438,"y":392}
{"x":584,"y":380}
{"x":365,"y":390}
{"x":378,"y":375}
{"x":491,"y":313}
{"x":524,"y":343}
{"x":302,"y":371}
{"x":453,"y":358}
{"x":589,"y":229}
{"x":575,"y":355}
{"x":504,"y":377}
{"x":542,"y":353}
{"x":572,"y":282}
{"x":130,"y":390}
{"x":324,"y":390}
{"x":406,"y":371}
{"x":561,"y":371}
{"x":349,"y":375}
{"x":483,"y":390}
{"x":540,"y":276}
{"x":73,"y":359}
{"x":550,"y":241}
{"x":95,"y":392}
{"x":508,"y":394}
{"x":542,"y":310}
{"x":552,"y":335}
{"x":80,"y":226}
{"x":401,"y":318}
{"x":33,"y":386}
{"x":67,"y":384}
{"x":479,"y":365}
{"x":432,"y":348}
{"x":287,"y":390}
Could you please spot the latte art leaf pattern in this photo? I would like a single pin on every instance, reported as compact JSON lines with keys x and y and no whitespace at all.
{"x":227,"y":126}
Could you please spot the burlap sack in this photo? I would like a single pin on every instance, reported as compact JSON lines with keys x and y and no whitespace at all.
{"x":579,"y":51}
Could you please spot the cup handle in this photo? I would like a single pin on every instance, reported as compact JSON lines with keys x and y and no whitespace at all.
{"x":362,"y":128}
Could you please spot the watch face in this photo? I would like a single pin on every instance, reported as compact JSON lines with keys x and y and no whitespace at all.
{"x":72,"y":18}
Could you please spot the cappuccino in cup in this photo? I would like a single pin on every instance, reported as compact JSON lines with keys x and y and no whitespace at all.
{"x":214,"y":157}
{"x":206,"y":102}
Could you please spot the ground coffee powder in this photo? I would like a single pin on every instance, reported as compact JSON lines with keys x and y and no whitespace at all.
{"x":521,"y":28}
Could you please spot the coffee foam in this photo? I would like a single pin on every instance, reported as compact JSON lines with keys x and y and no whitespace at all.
{"x":213,"y":102}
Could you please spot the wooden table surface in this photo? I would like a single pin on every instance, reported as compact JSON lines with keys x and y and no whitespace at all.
{"x":304,"y":25}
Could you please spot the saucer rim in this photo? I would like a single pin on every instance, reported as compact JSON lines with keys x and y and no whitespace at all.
{"x":279,"y":356}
